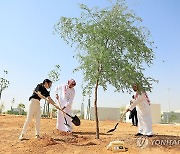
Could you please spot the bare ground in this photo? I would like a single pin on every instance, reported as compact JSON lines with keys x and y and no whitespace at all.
{"x":82,"y":140}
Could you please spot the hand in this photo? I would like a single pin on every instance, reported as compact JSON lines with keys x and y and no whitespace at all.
{"x":127,"y":110}
{"x":57,"y":96}
{"x":57,"y":107}
{"x":63,"y":108}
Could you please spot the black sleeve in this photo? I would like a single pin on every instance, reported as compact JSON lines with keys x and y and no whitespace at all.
{"x":47,"y":93}
{"x":38,"y":88}
{"x":42,"y":90}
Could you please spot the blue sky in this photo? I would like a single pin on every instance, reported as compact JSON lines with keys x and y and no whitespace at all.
{"x":29,"y":50}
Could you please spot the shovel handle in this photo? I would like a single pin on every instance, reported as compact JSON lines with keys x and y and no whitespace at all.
{"x":52,"y":104}
{"x":63,"y":110}
{"x":122,"y":117}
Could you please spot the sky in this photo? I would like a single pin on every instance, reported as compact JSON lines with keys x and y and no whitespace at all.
{"x":29,"y":50}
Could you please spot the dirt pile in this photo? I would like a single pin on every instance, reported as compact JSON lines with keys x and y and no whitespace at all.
{"x":68,"y":137}
{"x":44,"y":141}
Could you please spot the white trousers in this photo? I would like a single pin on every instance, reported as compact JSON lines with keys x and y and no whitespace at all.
{"x":34,"y":110}
{"x":61,"y":121}
{"x":144,"y":120}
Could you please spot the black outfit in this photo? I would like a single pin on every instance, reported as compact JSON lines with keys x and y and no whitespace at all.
{"x":40,"y":87}
{"x":133,"y":116}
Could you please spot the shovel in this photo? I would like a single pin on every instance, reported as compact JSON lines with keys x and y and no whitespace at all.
{"x":112,"y":130}
{"x":75,"y":120}
{"x":64,"y":117}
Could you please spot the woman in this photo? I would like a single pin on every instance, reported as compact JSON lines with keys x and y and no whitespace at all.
{"x":39,"y":93}
{"x":65,"y":94}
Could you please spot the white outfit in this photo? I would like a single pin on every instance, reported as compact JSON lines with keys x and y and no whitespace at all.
{"x":33,"y":109}
{"x":66,"y":96}
{"x":142,"y":105}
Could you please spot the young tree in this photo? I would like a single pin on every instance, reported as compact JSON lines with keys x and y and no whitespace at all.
{"x":122,"y":109}
{"x":54,"y":76}
{"x":21,"y":108}
{"x":112,"y":48}
{"x":3,"y":83}
{"x":12,"y":102}
{"x":2,"y":107}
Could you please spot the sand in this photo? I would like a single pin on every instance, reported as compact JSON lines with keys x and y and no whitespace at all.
{"x":83,"y":140}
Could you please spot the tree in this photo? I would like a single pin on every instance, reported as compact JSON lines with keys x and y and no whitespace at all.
{"x":122,"y":109}
{"x":1,"y":107}
{"x":3,"y":83}
{"x":21,"y":108}
{"x":112,"y":48}
{"x":173,"y":117}
{"x":54,"y":76}
{"x":12,"y":102}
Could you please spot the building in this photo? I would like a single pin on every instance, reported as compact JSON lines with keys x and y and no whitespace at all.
{"x":155,"y":113}
{"x":107,"y":113}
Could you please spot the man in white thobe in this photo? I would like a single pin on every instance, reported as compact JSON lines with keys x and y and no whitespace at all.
{"x":65,"y":94}
{"x":142,"y":104}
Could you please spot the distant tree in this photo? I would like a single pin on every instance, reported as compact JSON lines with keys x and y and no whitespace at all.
{"x":172,"y":117}
{"x":112,"y":48}
{"x":3,"y":83}
{"x":2,"y":107}
{"x":77,"y":112}
{"x":12,"y":102}
{"x":54,"y":76}
{"x":122,"y":109}
{"x":21,"y":108}
{"x":54,"y":111}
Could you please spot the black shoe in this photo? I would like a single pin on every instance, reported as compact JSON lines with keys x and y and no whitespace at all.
{"x":148,"y":135}
{"x":138,"y":134}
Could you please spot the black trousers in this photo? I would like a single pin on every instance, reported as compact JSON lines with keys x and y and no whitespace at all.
{"x":134,"y":118}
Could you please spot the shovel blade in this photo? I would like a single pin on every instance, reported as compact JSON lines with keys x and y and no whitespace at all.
{"x":111,"y":130}
{"x":76,"y":121}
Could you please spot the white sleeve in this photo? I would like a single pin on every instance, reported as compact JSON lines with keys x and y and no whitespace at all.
{"x":69,"y":103}
{"x":57,"y":89}
{"x":135,"y":102}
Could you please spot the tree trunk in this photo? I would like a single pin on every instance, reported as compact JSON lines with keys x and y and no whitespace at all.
{"x":48,"y":112}
{"x":96,"y":112}
{"x":0,"y":94}
{"x":44,"y":109}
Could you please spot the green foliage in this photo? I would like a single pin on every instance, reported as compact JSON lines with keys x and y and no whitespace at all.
{"x":173,"y":117}
{"x":12,"y":112}
{"x":3,"y":83}
{"x":122,"y":109}
{"x":2,"y":107}
{"x":112,"y":46}
{"x":21,"y":108}
{"x":55,"y":74}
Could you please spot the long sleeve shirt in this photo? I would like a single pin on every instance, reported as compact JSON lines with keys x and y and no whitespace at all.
{"x":139,"y":101}
{"x":66,"y":95}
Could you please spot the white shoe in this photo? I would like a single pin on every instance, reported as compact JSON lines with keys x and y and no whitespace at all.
{"x":37,"y":136}
{"x":21,"y":137}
